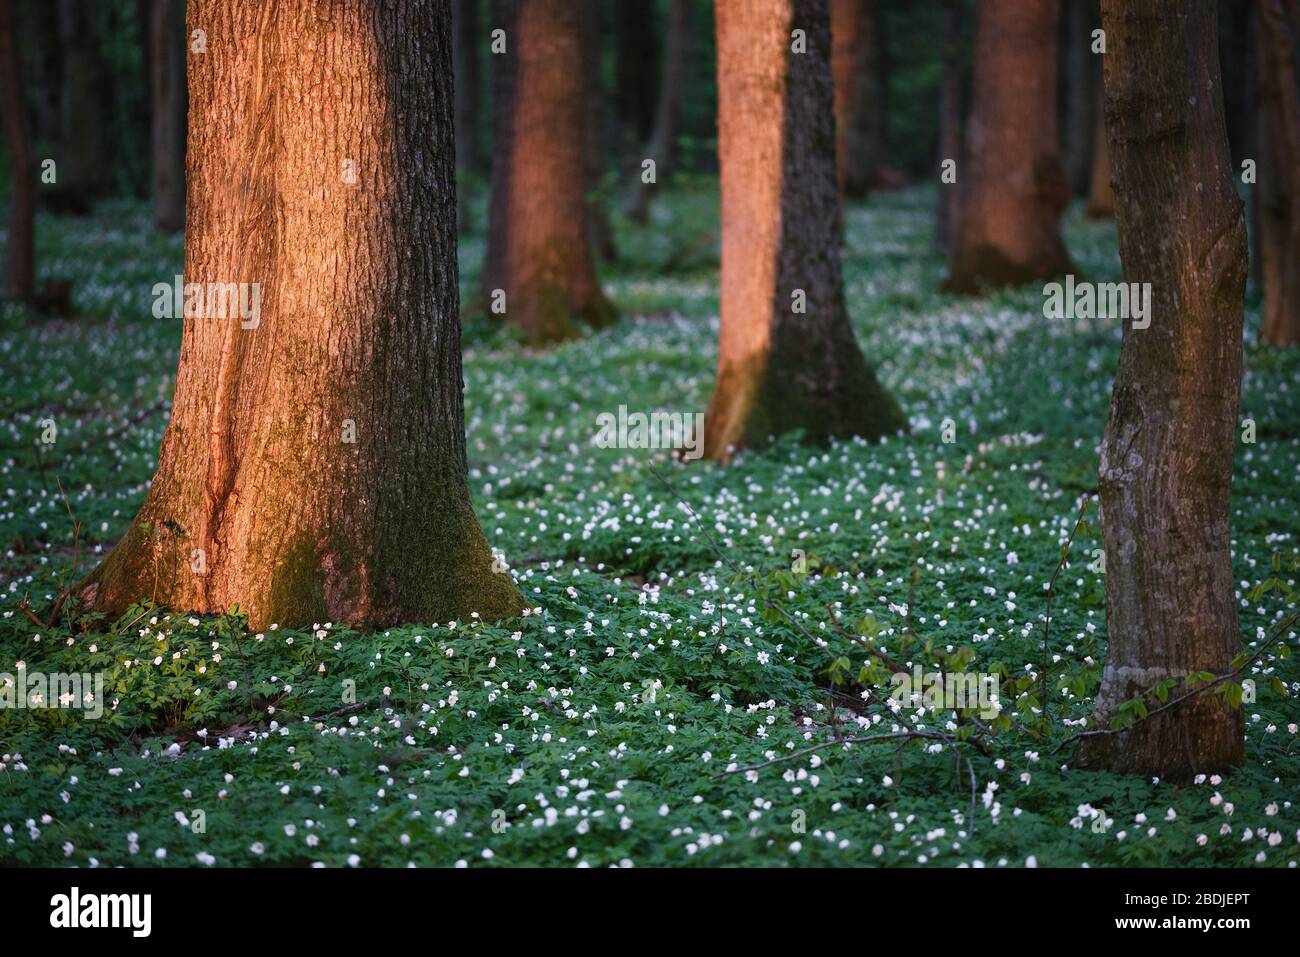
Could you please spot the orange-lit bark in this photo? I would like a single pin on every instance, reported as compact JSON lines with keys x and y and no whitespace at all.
{"x":538,"y":251}
{"x":859,"y":98}
{"x":314,"y":465}
{"x":780,"y":369}
{"x":1012,"y":187}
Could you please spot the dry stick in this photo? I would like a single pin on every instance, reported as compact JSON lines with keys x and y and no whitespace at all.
{"x":1282,"y":626}
{"x":1051,"y":591}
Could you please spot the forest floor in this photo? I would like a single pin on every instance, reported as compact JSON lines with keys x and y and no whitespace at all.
{"x":671,"y":645}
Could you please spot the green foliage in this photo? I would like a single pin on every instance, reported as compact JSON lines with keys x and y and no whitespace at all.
{"x":596,"y":729}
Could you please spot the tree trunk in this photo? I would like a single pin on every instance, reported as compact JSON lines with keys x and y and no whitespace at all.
{"x":465,"y":57}
{"x":39,"y":26}
{"x":81,"y":171}
{"x":600,"y":236}
{"x":538,"y":252}
{"x":20,"y":247}
{"x":857,"y":71}
{"x":1012,"y":184}
{"x":663,"y":141}
{"x":950,"y":146}
{"x":314,"y":466}
{"x":780,"y":368}
{"x":1079,"y":124}
{"x":504,"y":17}
{"x":1279,"y":172}
{"x":1101,"y":197}
{"x":636,"y":71}
{"x":1166,"y":457}
{"x":167,"y":46}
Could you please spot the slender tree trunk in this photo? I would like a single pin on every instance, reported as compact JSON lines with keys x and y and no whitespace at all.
{"x":1166,"y":458}
{"x":1101,"y":197}
{"x":858,"y":72}
{"x":167,"y":48}
{"x":636,"y":70}
{"x":1279,"y":171}
{"x":38,"y":24}
{"x":663,"y":141}
{"x":1012,"y":184}
{"x":1079,"y":125}
{"x":600,"y":236}
{"x":20,"y":248}
{"x":81,"y":171}
{"x":950,"y":146}
{"x":314,"y":466}
{"x":492,"y":279}
{"x":537,"y":243}
{"x":465,"y":57}
{"x":788,"y":358}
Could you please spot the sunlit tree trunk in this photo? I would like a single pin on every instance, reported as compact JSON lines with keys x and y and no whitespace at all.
{"x":1166,"y":457}
{"x":538,"y":252}
{"x":663,"y":142}
{"x":20,"y":244}
{"x":314,"y":466}
{"x":1279,"y":171}
{"x":167,"y":117}
{"x":1012,"y":185}
{"x":84,"y":161}
{"x":788,"y":358}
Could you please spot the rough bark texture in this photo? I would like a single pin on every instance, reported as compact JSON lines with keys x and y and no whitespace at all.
{"x":538,"y":243}
{"x":1101,"y":196}
{"x":167,"y":46}
{"x":84,"y":162}
{"x":1166,"y":458}
{"x":358,"y":332}
{"x":950,"y":145}
{"x":1012,"y":185}
{"x":859,"y":94}
{"x":662,"y":145}
{"x":780,"y":370}
{"x":20,"y":248}
{"x":1278,"y":174}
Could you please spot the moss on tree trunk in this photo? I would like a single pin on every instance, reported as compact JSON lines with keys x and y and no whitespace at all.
{"x":314,"y":465}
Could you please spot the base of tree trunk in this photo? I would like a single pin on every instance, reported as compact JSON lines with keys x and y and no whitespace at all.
{"x":1203,"y":736}
{"x":984,"y":266}
{"x":827,"y":396}
{"x":311,"y":578}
